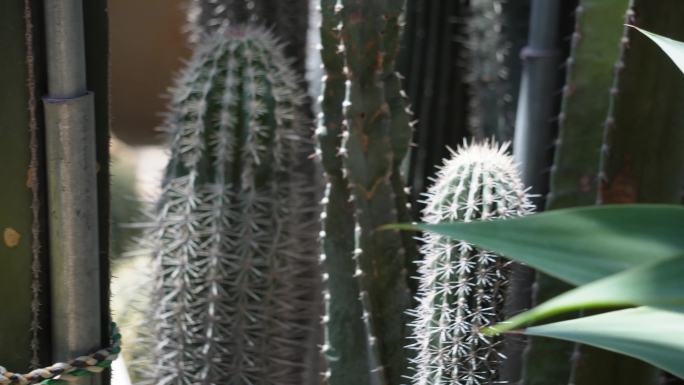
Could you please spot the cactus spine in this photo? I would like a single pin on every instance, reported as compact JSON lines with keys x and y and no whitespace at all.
{"x":232,"y":240}
{"x":462,"y":287}
{"x":496,"y":31}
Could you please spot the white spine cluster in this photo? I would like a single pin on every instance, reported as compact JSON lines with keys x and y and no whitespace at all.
{"x":234,"y":239}
{"x":461,"y":286}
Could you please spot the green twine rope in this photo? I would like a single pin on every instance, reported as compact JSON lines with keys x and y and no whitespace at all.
{"x":62,"y":373}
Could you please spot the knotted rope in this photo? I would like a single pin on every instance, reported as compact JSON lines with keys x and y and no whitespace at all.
{"x":62,"y":373}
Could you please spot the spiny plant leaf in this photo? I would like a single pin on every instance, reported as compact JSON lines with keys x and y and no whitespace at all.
{"x":673,"y":48}
{"x":578,"y":245}
{"x":653,"y":284}
{"x":654,"y":335}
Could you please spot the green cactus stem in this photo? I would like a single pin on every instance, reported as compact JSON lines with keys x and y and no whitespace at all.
{"x":368,"y":160}
{"x":629,"y":173}
{"x":345,"y":345}
{"x":595,"y":48}
{"x":401,"y":128}
{"x":461,"y":286}
{"x":232,"y":240}
{"x":21,"y":206}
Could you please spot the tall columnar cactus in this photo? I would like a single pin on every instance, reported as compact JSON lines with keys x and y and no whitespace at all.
{"x":22,"y":220}
{"x":368,"y":160}
{"x":461,"y":286}
{"x":364,"y":136}
{"x":346,"y":335}
{"x":595,"y":48}
{"x":235,"y":238}
{"x":627,"y":173}
{"x":400,"y":125}
{"x":496,"y":31}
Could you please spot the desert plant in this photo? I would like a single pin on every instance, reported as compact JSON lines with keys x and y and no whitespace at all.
{"x":364,"y":135}
{"x":595,"y":50}
{"x":462,"y":286}
{"x":234,"y":241}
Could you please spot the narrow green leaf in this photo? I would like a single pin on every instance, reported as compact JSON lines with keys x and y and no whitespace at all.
{"x":654,"y":335}
{"x":653,"y":284}
{"x":673,"y":48}
{"x":578,"y":245}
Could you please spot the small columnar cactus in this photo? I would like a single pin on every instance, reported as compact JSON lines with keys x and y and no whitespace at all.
{"x":461,"y":286}
{"x":235,"y":239}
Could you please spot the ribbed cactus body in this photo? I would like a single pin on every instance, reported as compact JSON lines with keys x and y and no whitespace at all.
{"x":461,"y":286}
{"x":234,"y":240}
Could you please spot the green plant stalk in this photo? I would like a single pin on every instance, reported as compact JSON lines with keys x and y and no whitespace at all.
{"x":368,"y":160}
{"x":628,"y":174}
{"x":17,"y":247}
{"x":495,"y":37}
{"x":595,"y":48}
{"x":401,"y":129}
{"x":346,"y":336}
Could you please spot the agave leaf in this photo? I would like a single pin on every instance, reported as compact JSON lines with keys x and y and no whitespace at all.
{"x":673,"y":48}
{"x":654,"y":335}
{"x":578,"y":245}
{"x":653,"y":284}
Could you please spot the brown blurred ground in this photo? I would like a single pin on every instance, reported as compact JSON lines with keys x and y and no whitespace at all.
{"x":147,"y":46}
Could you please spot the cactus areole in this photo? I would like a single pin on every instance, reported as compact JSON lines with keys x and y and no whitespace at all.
{"x":461,"y":286}
{"x":234,"y":271}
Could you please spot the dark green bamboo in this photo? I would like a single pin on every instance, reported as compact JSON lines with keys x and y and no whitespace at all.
{"x":595,"y":48}
{"x":345,"y":346}
{"x":368,"y":160}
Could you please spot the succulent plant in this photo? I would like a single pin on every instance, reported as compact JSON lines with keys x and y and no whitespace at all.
{"x":235,"y":240}
{"x":462,"y":286}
